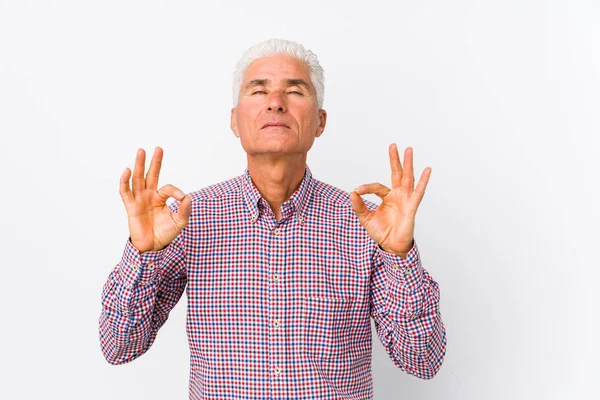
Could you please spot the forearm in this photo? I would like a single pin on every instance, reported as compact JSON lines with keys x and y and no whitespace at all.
{"x":136,"y":301}
{"x":408,"y":319}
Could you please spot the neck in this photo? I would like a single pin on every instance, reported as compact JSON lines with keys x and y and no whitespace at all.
{"x":276,"y":179}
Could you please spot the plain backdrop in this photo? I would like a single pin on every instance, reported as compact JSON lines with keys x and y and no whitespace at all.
{"x":500,"y":98}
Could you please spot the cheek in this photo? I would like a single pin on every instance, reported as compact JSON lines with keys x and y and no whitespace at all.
{"x":310,"y":118}
{"x":245,"y":117}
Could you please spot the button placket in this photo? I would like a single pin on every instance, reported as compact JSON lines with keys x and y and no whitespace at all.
{"x":277,"y":344}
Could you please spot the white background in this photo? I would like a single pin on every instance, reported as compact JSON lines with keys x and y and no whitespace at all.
{"x":500,"y":98}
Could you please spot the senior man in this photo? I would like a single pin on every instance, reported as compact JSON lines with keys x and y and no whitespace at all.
{"x":283,"y":272}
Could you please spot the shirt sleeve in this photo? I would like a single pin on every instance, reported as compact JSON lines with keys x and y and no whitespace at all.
{"x":137,"y":297}
{"x":405,"y":308}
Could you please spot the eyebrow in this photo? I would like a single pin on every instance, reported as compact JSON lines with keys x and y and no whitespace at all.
{"x":289,"y":82}
{"x":298,"y":82}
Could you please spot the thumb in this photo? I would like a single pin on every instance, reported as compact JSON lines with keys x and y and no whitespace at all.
{"x":359,"y":207}
{"x":182,"y":216}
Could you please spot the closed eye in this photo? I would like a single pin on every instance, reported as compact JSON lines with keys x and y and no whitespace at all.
{"x":295,"y":92}
{"x":258,"y":92}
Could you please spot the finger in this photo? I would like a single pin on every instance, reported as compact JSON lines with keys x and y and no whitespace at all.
{"x":375,"y":188}
{"x":421,"y":186}
{"x":395,"y":165}
{"x":182,"y":216}
{"x":408,"y":178}
{"x":154,"y":170}
{"x":360,"y":208}
{"x":138,"y":172}
{"x":171,"y":191}
{"x":124,"y":189}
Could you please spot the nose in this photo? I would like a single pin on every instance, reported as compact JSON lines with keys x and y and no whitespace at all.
{"x":276,"y":102}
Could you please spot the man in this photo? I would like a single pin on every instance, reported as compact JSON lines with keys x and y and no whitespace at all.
{"x":283,"y":272}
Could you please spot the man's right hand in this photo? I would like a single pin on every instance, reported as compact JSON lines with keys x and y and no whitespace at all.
{"x":152,"y":225}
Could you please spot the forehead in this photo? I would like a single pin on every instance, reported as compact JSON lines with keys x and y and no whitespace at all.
{"x":278,"y":67}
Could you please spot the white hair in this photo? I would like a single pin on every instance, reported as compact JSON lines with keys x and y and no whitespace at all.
{"x":271,"y":47}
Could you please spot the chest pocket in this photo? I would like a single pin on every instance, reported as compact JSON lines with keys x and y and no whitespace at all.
{"x":326,"y":326}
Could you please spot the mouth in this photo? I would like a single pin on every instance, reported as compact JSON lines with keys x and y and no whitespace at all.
{"x":275,"y":125}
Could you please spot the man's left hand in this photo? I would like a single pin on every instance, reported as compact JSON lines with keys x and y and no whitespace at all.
{"x":392,"y":224}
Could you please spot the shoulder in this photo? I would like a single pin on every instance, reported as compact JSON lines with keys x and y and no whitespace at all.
{"x":331,"y":211}
{"x":216,"y":192}
{"x":332,"y":196}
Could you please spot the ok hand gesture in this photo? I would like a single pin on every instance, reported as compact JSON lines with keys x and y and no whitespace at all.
{"x":392,"y":224}
{"x":152,"y":226}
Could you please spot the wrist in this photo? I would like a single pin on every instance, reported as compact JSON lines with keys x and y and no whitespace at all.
{"x":401,"y":252}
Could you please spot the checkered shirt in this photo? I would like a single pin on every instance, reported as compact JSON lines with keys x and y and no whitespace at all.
{"x":276,"y":309}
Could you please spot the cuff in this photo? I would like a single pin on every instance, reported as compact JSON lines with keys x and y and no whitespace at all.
{"x":139,"y":268}
{"x":406,"y":272}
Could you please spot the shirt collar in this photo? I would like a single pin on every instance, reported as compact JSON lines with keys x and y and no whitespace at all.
{"x":297,"y":202}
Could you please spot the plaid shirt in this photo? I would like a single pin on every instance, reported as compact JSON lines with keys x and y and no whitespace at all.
{"x":276,"y":309}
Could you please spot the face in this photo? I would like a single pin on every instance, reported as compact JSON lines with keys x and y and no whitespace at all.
{"x":277,"y":111}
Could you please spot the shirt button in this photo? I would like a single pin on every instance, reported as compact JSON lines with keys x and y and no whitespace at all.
{"x":395,"y":266}
{"x":254,"y":219}
{"x":407,"y":271}
{"x":135,"y":267}
{"x":151,"y":266}
{"x":413,"y":317}
{"x":276,"y":323}
{"x":275,"y":277}
{"x":277,"y":370}
{"x":124,"y":313}
{"x":301,"y":219}
{"x":276,"y":231}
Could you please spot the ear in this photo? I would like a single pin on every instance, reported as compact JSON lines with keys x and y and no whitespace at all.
{"x":233,"y":122}
{"x":322,"y":122}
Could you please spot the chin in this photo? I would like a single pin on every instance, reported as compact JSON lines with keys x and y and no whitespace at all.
{"x":274,"y":150}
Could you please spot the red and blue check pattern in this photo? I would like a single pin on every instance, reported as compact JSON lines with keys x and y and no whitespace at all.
{"x":276,"y":309}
